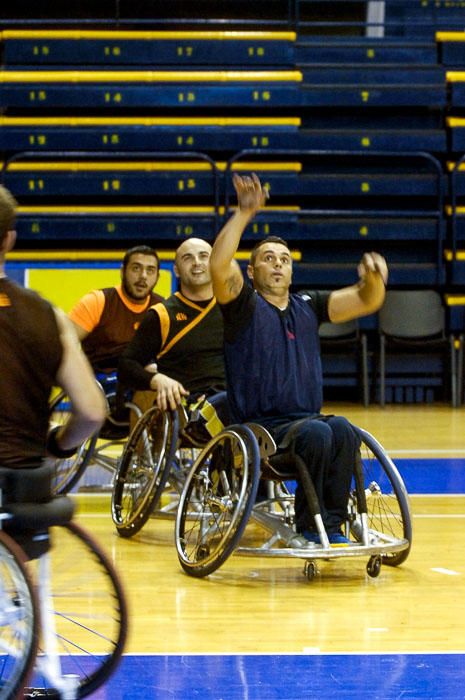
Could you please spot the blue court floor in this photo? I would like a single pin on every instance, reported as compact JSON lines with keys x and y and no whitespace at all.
{"x":433,"y":476}
{"x":290,"y":677}
{"x":425,"y":676}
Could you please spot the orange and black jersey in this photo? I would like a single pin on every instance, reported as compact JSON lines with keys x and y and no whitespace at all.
{"x":184,"y":338}
{"x":111,"y":320}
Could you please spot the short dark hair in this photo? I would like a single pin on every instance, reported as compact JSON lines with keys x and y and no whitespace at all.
{"x":8,"y":205}
{"x":264,"y":241}
{"x":140,"y":250}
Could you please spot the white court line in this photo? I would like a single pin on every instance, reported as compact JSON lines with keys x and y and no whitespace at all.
{"x":443,"y":516}
{"x":377,"y":629}
{"x":459,"y":494}
{"x":456,"y":451}
{"x":308,"y":650}
{"x":448,"y":572}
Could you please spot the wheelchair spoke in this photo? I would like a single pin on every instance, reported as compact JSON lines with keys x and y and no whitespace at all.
{"x":89,"y":611}
{"x":212,"y":510}
{"x":143,"y":470}
{"x":386,"y":498}
{"x":19,"y":619}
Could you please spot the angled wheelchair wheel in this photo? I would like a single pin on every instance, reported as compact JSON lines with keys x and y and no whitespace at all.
{"x":216,"y":501}
{"x":68,"y":471}
{"x":388,"y":509}
{"x":89,"y":610}
{"x":143,"y":470}
{"x":19,"y":619}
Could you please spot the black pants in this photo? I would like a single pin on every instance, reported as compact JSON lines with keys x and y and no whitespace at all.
{"x":327,"y":445}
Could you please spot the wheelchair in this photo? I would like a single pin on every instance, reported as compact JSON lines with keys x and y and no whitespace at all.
{"x":219,"y":499}
{"x":153,"y":467}
{"x":62,"y":607}
{"x":102,"y":448}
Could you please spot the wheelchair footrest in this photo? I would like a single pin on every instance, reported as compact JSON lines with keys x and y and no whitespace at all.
{"x":316,"y":551}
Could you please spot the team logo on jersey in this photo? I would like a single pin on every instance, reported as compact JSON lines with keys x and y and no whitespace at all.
{"x":4,"y":300}
{"x":136,"y":325}
{"x":180,"y":316}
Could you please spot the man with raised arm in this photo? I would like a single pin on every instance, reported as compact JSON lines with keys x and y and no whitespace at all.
{"x":272,"y":356}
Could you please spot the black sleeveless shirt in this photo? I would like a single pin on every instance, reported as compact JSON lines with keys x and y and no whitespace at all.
{"x":30,"y":355}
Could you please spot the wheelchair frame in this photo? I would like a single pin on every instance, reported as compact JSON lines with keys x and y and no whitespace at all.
{"x":152,"y":469}
{"x":63,"y":646}
{"x":19,"y":618}
{"x":95,"y":450}
{"x":214,"y":509}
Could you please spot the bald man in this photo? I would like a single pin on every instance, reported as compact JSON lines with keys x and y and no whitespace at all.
{"x":183,"y":335}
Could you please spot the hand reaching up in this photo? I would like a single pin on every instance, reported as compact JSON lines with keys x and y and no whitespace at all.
{"x":251,"y":196}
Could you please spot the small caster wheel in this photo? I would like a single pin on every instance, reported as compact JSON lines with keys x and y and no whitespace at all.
{"x":310,"y":570}
{"x":374,"y":566}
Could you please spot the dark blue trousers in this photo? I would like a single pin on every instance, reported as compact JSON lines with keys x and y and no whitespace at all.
{"x":328,"y":446}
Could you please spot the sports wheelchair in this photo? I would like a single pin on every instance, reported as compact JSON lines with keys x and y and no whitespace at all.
{"x":63,"y":615}
{"x":103,"y":448}
{"x":154,"y":464}
{"x":219,"y":498}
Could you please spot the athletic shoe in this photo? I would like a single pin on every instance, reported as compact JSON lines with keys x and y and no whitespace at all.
{"x":311,"y":536}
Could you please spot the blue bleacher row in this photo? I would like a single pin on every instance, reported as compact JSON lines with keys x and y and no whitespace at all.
{"x":227,"y":134}
{"x":144,"y":90}
{"x":329,"y":255}
{"x":153,"y":49}
{"x":177,"y":179}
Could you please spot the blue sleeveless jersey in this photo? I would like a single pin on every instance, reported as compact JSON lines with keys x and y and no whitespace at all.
{"x":272,"y":357}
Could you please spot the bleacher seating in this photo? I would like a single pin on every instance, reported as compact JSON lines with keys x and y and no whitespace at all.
{"x":126,"y":119}
{"x":453,"y":55}
{"x":215,"y":134}
{"x":456,"y":81}
{"x":451,"y":47}
{"x":348,"y":201}
{"x":455,"y":255}
{"x":367,"y":51}
{"x":423,"y":19}
{"x":61,"y":49}
{"x":329,"y":202}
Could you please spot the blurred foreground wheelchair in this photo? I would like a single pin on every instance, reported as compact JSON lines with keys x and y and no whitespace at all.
{"x":157,"y":457}
{"x":104,"y":448}
{"x":62,"y":608}
{"x":219,"y":499}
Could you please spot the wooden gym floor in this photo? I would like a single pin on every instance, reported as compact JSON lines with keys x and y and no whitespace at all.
{"x":257,"y":629}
